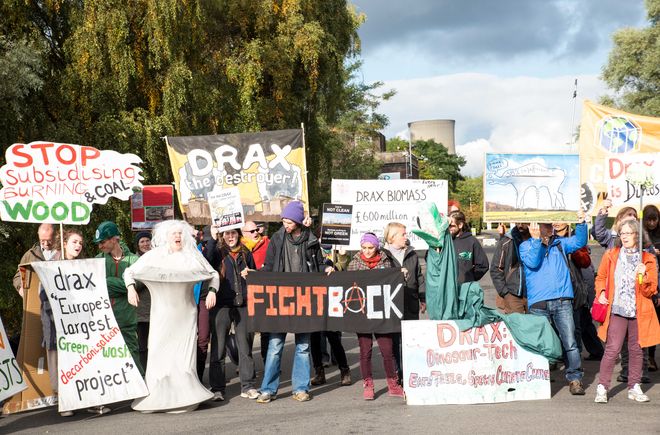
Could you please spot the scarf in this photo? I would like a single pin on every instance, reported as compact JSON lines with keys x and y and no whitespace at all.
{"x":398,"y":253}
{"x":624,"y":303}
{"x":234,"y":251}
{"x":371,"y":262}
{"x":250,"y":243}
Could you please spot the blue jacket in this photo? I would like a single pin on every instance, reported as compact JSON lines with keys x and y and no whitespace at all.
{"x":546,"y":274}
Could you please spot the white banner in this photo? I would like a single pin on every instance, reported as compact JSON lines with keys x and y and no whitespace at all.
{"x":443,"y":365}
{"x":622,"y":176}
{"x":226,"y":208}
{"x":11,"y":381}
{"x":377,"y":202}
{"x":95,"y":366}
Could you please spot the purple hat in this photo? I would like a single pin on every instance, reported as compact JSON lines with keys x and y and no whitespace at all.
{"x":294,"y":211}
{"x":370,"y":238}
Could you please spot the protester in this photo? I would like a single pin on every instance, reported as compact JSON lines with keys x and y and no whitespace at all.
{"x":231,"y":309}
{"x":549,"y":288}
{"x":585,"y":331}
{"x":506,"y":270}
{"x":650,"y":219}
{"x":470,"y":256}
{"x":627,"y":279}
{"x":371,"y":257}
{"x":403,"y":256}
{"x":118,"y":257}
{"x":142,"y":245}
{"x":293,"y":248}
{"x":41,"y":251}
{"x":453,"y":205}
{"x":170,"y":271}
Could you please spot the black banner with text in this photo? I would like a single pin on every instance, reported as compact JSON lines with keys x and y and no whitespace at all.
{"x":363,"y":301}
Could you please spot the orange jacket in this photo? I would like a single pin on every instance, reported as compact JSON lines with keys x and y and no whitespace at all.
{"x":647,"y":321}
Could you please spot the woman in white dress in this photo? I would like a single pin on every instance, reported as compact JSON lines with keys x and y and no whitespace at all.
{"x":170,"y":271}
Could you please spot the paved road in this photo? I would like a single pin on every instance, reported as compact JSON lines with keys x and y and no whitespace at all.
{"x":336,"y":409}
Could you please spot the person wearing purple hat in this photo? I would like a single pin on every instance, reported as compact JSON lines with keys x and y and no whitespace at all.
{"x":371,"y":257}
{"x":293,"y":248}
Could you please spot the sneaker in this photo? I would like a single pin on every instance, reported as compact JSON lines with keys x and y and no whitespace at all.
{"x":368,"y":393}
{"x":636,"y":394}
{"x":601,"y":394}
{"x":218,"y":396}
{"x":265,"y":398}
{"x":301,"y":396}
{"x":576,"y":388}
{"x":250,"y":394}
{"x":100,"y":410}
{"x":66,"y":413}
{"x":346,"y":377}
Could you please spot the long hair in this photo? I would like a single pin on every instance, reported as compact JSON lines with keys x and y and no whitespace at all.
{"x":63,"y":238}
{"x":163,"y":229}
{"x":651,"y":211}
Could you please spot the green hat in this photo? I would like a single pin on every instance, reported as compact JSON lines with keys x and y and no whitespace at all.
{"x":106,"y":230}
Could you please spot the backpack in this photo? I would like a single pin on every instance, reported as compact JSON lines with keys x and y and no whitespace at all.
{"x":580,"y":290}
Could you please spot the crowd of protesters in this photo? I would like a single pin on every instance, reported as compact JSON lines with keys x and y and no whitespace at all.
{"x":537,"y":269}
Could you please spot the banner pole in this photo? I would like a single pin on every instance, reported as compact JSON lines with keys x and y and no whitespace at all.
{"x":62,"y":255}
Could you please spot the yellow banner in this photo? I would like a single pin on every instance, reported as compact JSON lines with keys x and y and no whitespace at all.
{"x":607,"y":138}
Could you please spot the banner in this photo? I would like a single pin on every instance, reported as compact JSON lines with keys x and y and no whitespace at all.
{"x":153,"y":204}
{"x":226,"y":209}
{"x":336,"y":224}
{"x":378,"y":202}
{"x":12,"y":380}
{"x":364,"y":301}
{"x":442,"y":365}
{"x":59,"y":183}
{"x":268,"y":168}
{"x":609,"y":133}
{"x":531,"y":188}
{"x":95,"y":366}
{"x":623,"y":187}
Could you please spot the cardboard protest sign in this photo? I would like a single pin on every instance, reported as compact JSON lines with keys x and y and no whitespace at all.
{"x":151,"y":205}
{"x":226,"y":209}
{"x":531,"y":187}
{"x":95,"y":366}
{"x":336,"y":224}
{"x":377,"y":202}
{"x":12,"y":379}
{"x":362,"y":301}
{"x":609,"y":133}
{"x":622,"y":188}
{"x":268,"y":168}
{"x":443,"y":365}
{"x":59,"y":183}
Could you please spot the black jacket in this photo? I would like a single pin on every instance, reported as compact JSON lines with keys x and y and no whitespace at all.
{"x":232,"y":280}
{"x":506,"y":269}
{"x":415,"y":290}
{"x":471,"y":259}
{"x":312,"y":253}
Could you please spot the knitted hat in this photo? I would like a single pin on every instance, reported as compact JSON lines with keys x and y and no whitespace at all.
{"x":370,"y":238}
{"x":294,"y":211}
{"x":105,"y":231}
{"x":141,"y":235}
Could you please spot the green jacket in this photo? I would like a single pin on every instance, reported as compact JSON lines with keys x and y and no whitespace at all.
{"x":125,"y":313}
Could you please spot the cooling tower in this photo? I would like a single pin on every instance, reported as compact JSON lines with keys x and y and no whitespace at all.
{"x":440,"y":130}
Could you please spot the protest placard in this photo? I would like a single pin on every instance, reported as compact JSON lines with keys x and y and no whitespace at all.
{"x":361,"y":301}
{"x":336,"y":224}
{"x":443,"y":365}
{"x":531,"y":188}
{"x":95,"y":366}
{"x":621,"y":189}
{"x":226,"y":209}
{"x":151,"y":205}
{"x":268,"y":168}
{"x":59,"y":183}
{"x":9,"y":370}
{"x":377,"y":202}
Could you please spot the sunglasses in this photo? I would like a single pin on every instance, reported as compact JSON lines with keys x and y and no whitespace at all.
{"x":252,"y":231}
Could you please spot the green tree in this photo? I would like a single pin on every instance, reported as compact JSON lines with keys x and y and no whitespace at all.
{"x":469,"y":192}
{"x":633,"y":67}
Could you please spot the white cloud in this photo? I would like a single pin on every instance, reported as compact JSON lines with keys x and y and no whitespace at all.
{"x":492,"y":113}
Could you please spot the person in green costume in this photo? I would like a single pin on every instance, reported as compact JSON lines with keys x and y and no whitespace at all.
{"x":118,"y":258}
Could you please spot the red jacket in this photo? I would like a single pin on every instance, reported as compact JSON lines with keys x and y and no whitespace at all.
{"x":259,"y":251}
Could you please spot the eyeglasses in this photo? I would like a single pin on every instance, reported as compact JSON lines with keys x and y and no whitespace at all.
{"x":627,"y":233}
{"x":252,"y":231}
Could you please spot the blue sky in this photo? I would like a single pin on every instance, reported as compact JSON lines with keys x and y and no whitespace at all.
{"x":504,"y":70}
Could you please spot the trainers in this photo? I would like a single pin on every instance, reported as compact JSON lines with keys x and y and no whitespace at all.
{"x":301,"y":396}
{"x":368,"y":393}
{"x":100,"y":410}
{"x":218,"y":396}
{"x":66,"y":413}
{"x":346,"y":377}
{"x":250,"y":394}
{"x":576,"y":388}
{"x":601,"y":394}
{"x":265,"y":398}
{"x":636,"y":394}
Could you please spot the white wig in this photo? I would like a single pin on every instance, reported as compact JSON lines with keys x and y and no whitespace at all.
{"x":163,"y":229}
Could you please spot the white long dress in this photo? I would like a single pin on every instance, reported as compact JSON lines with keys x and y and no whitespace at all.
{"x":171,"y":374}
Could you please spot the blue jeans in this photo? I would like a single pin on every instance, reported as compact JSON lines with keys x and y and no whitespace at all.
{"x":301,"y":364}
{"x":560,"y":315}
